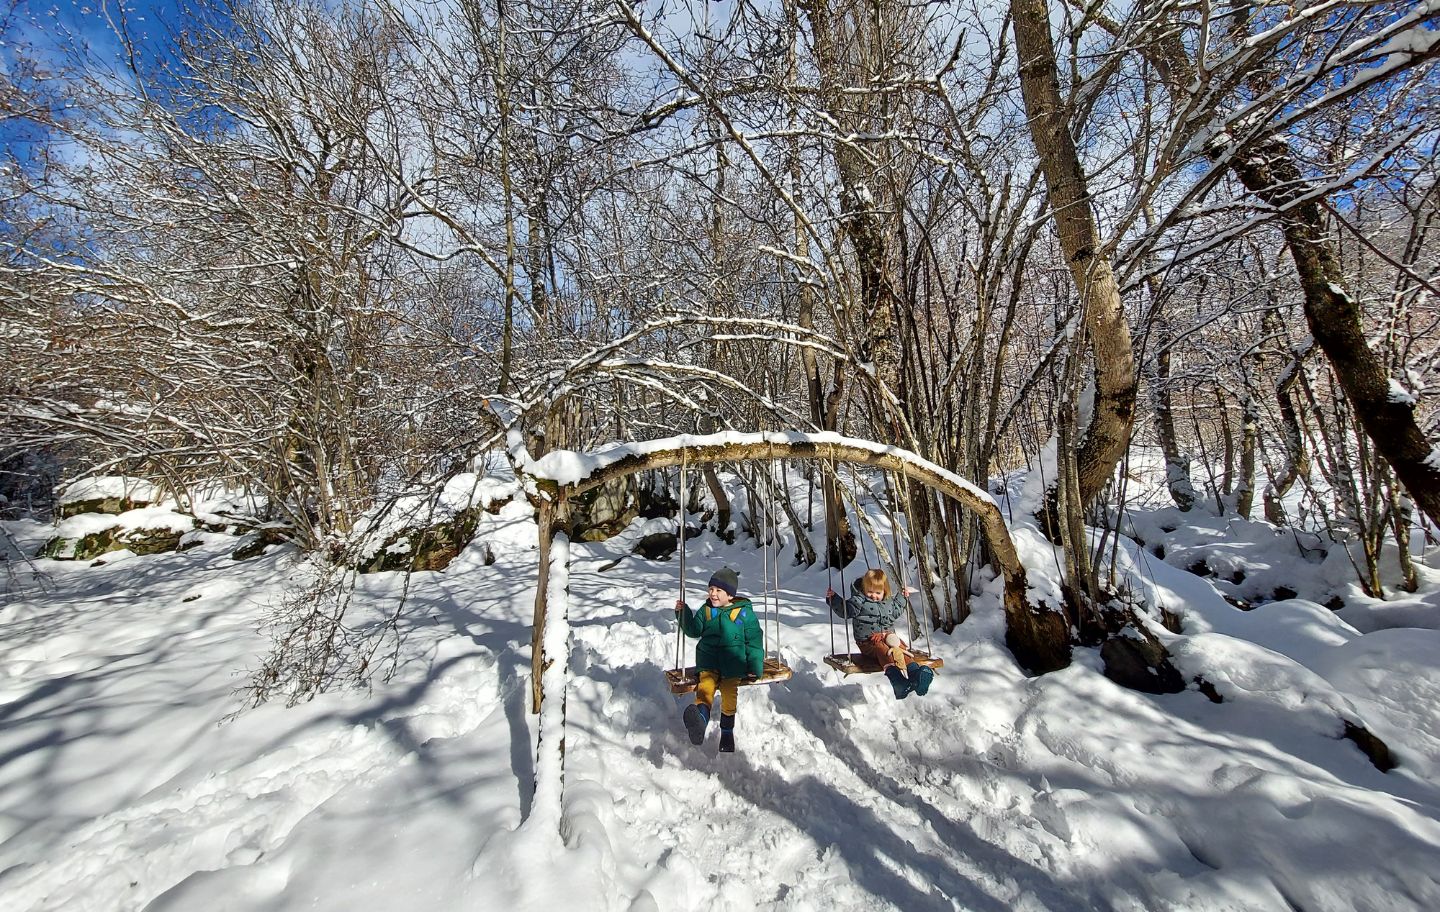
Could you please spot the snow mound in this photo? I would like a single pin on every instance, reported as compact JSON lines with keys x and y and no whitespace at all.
{"x":107,"y":487}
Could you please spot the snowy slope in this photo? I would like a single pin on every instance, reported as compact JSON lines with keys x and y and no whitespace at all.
{"x":120,"y":788}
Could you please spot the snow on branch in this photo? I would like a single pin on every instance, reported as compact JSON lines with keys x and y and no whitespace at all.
{"x":567,"y":467}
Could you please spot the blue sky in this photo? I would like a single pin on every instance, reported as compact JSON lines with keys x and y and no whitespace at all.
{"x":92,"y":19}
{"x":41,"y":30}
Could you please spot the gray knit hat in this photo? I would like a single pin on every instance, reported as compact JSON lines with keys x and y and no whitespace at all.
{"x":726,"y":579}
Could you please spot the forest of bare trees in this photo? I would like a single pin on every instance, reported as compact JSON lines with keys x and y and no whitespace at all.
{"x":328,"y":253}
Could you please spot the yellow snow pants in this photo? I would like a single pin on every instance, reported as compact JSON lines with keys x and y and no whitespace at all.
{"x":729,"y":687}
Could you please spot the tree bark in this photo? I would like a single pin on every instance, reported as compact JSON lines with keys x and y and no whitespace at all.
{"x":1268,"y":170}
{"x":1297,"y":458}
{"x":537,"y":623}
{"x":866,"y":220}
{"x":1177,"y":464}
{"x":1108,"y":433}
{"x":824,"y":403}
{"x":1249,"y":443}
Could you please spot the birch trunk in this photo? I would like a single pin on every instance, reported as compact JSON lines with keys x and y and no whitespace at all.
{"x":1177,"y":464}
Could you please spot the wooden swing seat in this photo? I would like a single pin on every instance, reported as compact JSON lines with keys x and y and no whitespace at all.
{"x":859,"y":663}
{"x":685,"y":680}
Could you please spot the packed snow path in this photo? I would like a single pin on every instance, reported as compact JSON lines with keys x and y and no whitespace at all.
{"x":120,"y":790}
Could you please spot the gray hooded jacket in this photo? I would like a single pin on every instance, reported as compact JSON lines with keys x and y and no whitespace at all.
{"x":867,"y":616}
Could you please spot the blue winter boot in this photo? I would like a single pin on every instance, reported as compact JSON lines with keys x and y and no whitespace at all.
{"x":922,"y":676}
{"x":727,"y":733}
{"x":898,"y":681}
{"x":696,"y":717}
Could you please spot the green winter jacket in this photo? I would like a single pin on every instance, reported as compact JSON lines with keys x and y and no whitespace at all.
{"x":731,"y":640}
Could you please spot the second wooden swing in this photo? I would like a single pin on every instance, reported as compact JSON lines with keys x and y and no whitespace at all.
{"x":683,"y":679}
{"x":848,"y":663}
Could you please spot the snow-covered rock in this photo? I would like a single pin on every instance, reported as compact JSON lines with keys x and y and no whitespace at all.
{"x":147,"y":530}
{"x":113,"y":494}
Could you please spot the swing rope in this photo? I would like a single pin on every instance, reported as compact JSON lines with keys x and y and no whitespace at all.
{"x":775,"y":533}
{"x":851,"y":500}
{"x":899,"y":564}
{"x":830,"y":567}
{"x":679,"y":626}
{"x":679,"y":679}
{"x":860,"y":520}
{"x":898,"y":489}
{"x":764,"y":529}
{"x":863,"y":523}
{"x":904,"y":490}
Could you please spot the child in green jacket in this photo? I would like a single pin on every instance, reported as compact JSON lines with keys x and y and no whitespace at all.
{"x":731,"y":647}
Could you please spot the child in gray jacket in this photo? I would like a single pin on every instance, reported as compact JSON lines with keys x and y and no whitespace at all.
{"x":872,"y":611}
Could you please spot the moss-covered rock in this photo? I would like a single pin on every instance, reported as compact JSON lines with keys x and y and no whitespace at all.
{"x":603,"y":512}
{"x":430,"y":548}
{"x":257,"y":541}
{"x":659,"y":546}
{"x":107,"y":494}
{"x":61,"y":547}
{"x":112,"y":506}
{"x":606,"y":530}
{"x":152,"y":541}
{"x":434,"y":546}
{"x":88,"y":536}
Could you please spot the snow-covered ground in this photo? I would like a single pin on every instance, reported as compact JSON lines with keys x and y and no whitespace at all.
{"x":131,"y":778}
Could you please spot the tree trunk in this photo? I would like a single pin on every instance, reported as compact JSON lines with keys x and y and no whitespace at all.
{"x":1402,"y":514}
{"x":865,"y":216}
{"x":1268,"y":170}
{"x":1297,"y":458}
{"x":824,"y":404}
{"x":502,"y":98}
{"x":722,"y":505}
{"x":537,"y":623}
{"x":1177,"y":464}
{"x":1108,"y":433}
{"x":1249,"y":443}
{"x":1227,"y":441}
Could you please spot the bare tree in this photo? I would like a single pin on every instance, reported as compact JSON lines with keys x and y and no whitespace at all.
{"x":1237,"y":100}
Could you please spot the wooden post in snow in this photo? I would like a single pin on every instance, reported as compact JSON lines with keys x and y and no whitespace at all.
{"x":550,"y":647}
{"x":548,"y":510}
{"x":547,"y":810}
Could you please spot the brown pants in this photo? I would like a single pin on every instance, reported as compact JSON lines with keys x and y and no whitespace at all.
{"x":705,"y":691}
{"x":886,"y":648}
